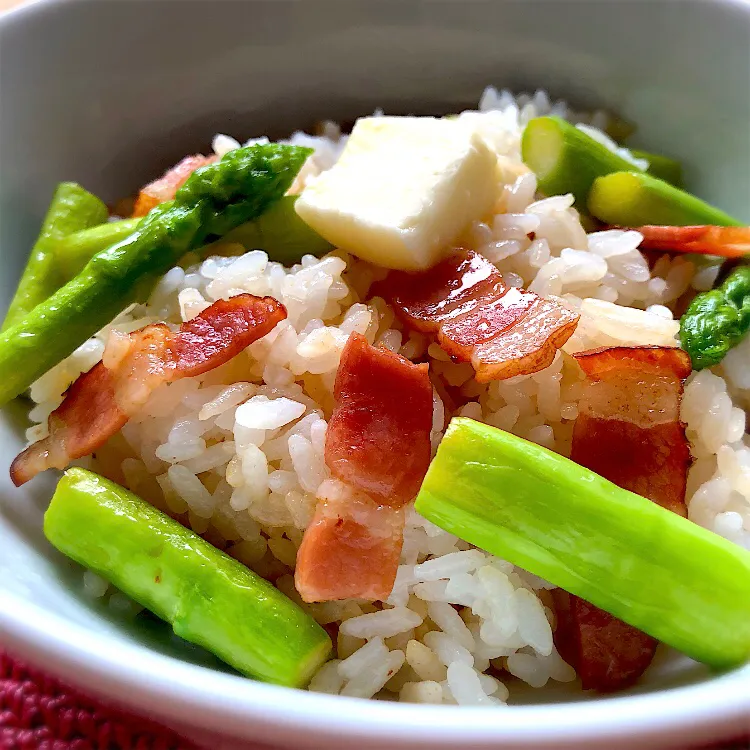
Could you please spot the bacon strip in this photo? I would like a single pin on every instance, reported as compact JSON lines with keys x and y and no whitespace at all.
{"x":378,"y":438}
{"x":729,"y":242}
{"x":378,"y":445}
{"x":629,"y":431}
{"x":102,"y":400}
{"x":501,"y":330}
{"x":351,"y":548}
{"x":164,"y":189}
{"x":628,"y":427}
{"x":607,"y":653}
{"x":527,"y":347}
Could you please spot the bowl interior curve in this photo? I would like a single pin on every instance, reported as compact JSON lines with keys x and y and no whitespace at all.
{"x":109,"y":97}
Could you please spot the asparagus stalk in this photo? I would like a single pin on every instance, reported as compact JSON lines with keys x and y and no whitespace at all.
{"x":72,"y":208}
{"x":663,"y":167}
{"x":280,"y":232}
{"x":215,"y":199}
{"x":632,"y":199}
{"x":565,"y":159}
{"x":652,"y":568}
{"x":618,"y":129}
{"x":208,"y":597}
{"x":76,"y":250}
{"x":717,"y":321}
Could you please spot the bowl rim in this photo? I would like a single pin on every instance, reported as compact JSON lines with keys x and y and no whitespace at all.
{"x":178,"y":691}
{"x":200,"y":697}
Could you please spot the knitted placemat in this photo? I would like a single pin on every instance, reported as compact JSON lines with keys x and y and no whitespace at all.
{"x":40,"y":713}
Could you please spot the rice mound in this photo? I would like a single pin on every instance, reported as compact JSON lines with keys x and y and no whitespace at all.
{"x":237,"y":454}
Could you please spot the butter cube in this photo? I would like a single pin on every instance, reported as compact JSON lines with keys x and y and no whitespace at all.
{"x":403,"y":190}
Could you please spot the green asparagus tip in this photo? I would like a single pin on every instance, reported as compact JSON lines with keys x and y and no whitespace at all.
{"x":716,"y":321}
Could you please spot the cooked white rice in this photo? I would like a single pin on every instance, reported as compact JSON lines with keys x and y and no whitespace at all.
{"x":238,"y":453}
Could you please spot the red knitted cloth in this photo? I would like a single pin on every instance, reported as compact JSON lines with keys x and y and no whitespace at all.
{"x":39,"y":713}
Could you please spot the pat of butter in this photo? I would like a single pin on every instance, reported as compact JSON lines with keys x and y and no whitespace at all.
{"x":403,"y":190}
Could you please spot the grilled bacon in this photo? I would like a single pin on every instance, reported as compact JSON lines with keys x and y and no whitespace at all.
{"x":503,"y":331}
{"x":378,"y":446}
{"x":728,"y":242}
{"x":102,"y":400}
{"x":165,"y":188}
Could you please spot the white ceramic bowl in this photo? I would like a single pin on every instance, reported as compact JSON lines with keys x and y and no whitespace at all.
{"x":109,"y":93}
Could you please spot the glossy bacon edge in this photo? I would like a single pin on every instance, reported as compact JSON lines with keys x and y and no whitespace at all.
{"x":502,"y":331}
{"x":165,"y":187}
{"x":632,"y":434}
{"x":728,"y":242}
{"x":670,"y":360}
{"x":378,"y":437}
{"x":351,"y":548}
{"x":102,"y":400}
{"x":607,"y":653}
{"x":378,"y":449}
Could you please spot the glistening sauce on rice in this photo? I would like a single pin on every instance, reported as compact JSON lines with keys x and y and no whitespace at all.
{"x":237,"y":454}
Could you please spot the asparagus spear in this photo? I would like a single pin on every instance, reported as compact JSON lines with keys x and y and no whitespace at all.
{"x":278,"y":231}
{"x":208,"y":597}
{"x":76,"y":250}
{"x":717,"y":320}
{"x":72,"y":208}
{"x":281,"y":233}
{"x":632,"y":199}
{"x":618,"y":129}
{"x":652,"y":568}
{"x":663,"y":167}
{"x":565,"y":159}
{"x":214,"y":200}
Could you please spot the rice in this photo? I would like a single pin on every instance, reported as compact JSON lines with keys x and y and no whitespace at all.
{"x":238,"y":453}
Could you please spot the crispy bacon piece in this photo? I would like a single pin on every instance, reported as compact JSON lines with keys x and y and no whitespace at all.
{"x":501,"y":330}
{"x":378,"y":445}
{"x":102,"y":400}
{"x":629,"y":431}
{"x":378,"y":439}
{"x":527,"y":347}
{"x":729,"y":242}
{"x":350,"y":549}
{"x":168,"y":184}
{"x":607,"y":653}
{"x":628,"y":427}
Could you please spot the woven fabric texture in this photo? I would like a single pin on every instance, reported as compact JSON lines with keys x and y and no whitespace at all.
{"x":40,"y":713}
